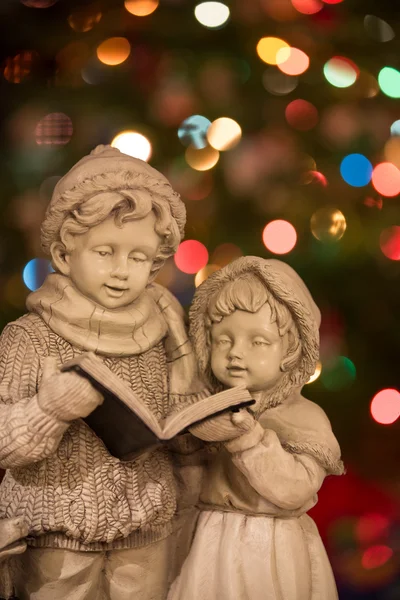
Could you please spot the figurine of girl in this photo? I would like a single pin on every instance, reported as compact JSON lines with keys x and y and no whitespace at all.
{"x":254,"y":322}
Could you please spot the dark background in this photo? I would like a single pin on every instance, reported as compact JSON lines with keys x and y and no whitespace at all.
{"x":178,"y":68}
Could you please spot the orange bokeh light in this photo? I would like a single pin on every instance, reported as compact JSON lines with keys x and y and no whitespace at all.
{"x":114,"y":51}
{"x":292,"y":61}
{"x":385,"y":406}
{"x":279,"y":236}
{"x":386,"y":179}
{"x":141,"y":8}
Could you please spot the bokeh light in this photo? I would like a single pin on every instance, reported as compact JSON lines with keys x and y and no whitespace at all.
{"x":113,"y":51}
{"x":84,"y":19}
{"x":389,"y":242}
{"x":54,"y":129}
{"x":372,"y":527}
{"x":340,"y":72}
{"x":339,"y":373}
{"x":391,"y":150}
{"x":301,"y":115}
{"x":35,"y":272}
{"x":18,"y":68}
{"x":193,"y":131}
{"x":385,"y":406}
{"x":224,"y":134}
{"x":38,"y":3}
{"x":314,"y":177}
{"x":212,"y":14}
{"x":395,"y":127}
{"x":378,"y":29}
{"x":203,"y":159}
{"x":191,"y":256}
{"x":389,"y":82}
{"x":204,"y":273}
{"x":316,"y":373}
{"x":278,"y":83}
{"x":268,"y":48}
{"x":386,"y":179}
{"x":279,"y":236}
{"x":141,"y":8}
{"x":133,"y":143}
{"x":356,"y":170}
{"x":376,"y":556}
{"x":225,"y":253}
{"x":328,"y":224}
{"x":292,"y":61}
{"x":307,"y":7}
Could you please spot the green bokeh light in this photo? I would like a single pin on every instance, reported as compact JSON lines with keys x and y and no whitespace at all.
{"x":389,"y":82}
{"x":338,"y":374}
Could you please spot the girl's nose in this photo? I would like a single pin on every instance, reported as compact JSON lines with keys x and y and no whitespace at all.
{"x":236,"y":350}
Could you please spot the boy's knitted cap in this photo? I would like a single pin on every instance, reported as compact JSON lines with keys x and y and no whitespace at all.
{"x":89,"y":177}
{"x":105,"y":159}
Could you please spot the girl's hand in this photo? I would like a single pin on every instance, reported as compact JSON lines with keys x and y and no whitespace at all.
{"x":224,"y":427}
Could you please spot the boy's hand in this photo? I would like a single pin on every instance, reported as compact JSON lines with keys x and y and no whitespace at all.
{"x":11,"y":533}
{"x":66,"y":396}
{"x":227,"y":426}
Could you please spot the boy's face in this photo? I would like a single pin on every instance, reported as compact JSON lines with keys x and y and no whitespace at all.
{"x":246,"y":348}
{"x":111,"y":264}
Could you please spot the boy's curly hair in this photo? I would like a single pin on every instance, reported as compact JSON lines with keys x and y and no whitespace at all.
{"x":126,"y":195}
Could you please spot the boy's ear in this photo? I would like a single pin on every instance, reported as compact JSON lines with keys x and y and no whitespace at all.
{"x":60,"y":258}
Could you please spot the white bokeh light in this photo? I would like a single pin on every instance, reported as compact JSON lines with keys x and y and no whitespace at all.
{"x":212,"y":14}
{"x":133,"y":143}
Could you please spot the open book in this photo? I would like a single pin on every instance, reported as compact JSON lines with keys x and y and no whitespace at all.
{"x":126,"y":425}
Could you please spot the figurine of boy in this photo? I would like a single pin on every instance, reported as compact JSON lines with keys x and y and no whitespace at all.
{"x":254,"y":322}
{"x":98,"y":527}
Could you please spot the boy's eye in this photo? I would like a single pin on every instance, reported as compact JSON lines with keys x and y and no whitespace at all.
{"x":138,"y":259}
{"x":103,"y":253}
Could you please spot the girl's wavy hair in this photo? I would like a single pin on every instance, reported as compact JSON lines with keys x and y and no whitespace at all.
{"x":124,"y":195}
{"x":247,"y":292}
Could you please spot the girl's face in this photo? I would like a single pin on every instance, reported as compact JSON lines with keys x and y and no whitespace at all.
{"x":246,"y":348}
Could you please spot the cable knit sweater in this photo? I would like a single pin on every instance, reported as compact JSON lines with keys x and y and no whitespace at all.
{"x":71,"y":492}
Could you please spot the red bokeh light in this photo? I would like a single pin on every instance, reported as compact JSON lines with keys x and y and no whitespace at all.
{"x":376,"y":556}
{"x":191,"y":256}
{"x":301,"y":115}
{"x":292,"y":61}
{"x":385,"y":406}
{"x":386,"y":179}
{"x":372,"y":527}
{"x":389,"y":241}
{"x":307,"y":7}
{"x":279,"y":237}
{"x":332,"y":1}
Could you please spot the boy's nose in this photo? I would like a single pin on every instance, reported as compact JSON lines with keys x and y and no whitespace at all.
{"x":120,"y":269}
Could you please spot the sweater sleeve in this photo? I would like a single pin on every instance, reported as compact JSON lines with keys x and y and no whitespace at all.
{"x":287,"y":480}
{"x":27,"y":434}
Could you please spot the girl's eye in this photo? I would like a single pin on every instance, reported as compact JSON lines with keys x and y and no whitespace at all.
{"x":223,"y":342}
{"x":260,"y":343}
{"x":103,"y":253}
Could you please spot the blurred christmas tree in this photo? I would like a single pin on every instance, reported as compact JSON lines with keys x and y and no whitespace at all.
{"x":278,"y":121}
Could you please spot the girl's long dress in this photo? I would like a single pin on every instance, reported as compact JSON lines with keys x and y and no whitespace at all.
{"x":254,"y":540}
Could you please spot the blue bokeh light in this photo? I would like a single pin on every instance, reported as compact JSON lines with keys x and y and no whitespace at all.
{"x":193,"y":130}
{"x":35,"y":272}
{"x":395,"y":127}
{"x":356,"y":170}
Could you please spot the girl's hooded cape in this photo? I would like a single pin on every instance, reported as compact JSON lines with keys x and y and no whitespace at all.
{"x":301,"y":425}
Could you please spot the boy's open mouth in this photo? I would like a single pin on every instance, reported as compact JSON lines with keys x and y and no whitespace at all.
{"x":116,"y":289}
